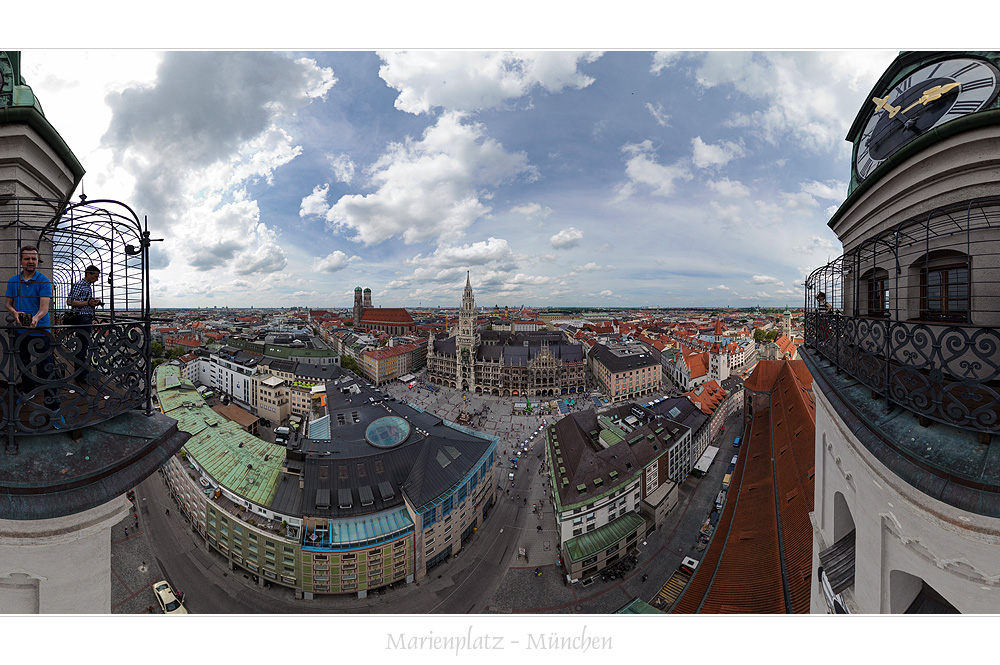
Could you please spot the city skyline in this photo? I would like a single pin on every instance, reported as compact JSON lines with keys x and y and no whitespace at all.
{"x":606,"y":179}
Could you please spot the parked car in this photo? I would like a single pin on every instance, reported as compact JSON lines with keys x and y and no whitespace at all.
{"x":167,"y":599}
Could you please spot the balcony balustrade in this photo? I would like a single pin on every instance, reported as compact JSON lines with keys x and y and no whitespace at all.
{"x":67,"y":376}
{"x":913,"y":314}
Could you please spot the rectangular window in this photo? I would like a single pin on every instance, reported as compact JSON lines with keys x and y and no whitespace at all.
{"x":944,"y":293}
{"x":878,"y":296}
{"x":429,"y":516}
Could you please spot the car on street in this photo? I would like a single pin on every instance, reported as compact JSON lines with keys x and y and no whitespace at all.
{"x":167,"y":599}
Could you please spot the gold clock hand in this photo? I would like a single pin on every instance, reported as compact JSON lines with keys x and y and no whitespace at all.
{"x":932,"y":94}
{"x":883,"y":103}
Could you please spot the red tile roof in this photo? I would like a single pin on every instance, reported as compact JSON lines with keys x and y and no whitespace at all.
{"x":182,"y":341}
{"x":391,"y":315}
{"x":741,"y":571}
{"x":696,"y":361}
{"x":707,"y":396}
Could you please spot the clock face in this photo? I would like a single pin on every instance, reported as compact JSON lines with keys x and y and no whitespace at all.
{"x":927,"y":98}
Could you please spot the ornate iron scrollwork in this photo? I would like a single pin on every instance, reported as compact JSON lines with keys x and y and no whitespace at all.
{"x":64,"y":376}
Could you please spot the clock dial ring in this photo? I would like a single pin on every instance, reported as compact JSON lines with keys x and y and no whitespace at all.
{"x":928,"y":97}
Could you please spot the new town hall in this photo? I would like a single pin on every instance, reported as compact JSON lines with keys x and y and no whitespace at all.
{"x":533,"y":364}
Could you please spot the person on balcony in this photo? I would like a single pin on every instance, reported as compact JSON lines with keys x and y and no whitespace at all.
{"x":28,"y":295}
{"x":823,"y":325}
{"x":821,"y":303}
{"x":82,"y":302}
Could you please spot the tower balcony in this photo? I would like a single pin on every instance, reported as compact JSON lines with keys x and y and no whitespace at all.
{"x":911,"y":346}
{"x":75,"y":372}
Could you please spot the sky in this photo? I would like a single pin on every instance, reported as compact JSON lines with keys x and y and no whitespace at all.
{"x":554,"y":177}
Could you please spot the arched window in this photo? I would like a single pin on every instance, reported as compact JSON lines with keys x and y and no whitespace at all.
{"x":875,"y":295}
{"x":944,"y":286}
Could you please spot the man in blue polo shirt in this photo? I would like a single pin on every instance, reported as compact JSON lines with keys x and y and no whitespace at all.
{"x":28,"y":296}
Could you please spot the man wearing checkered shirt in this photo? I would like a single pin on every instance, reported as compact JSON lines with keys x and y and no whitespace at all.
{"x":82,"y":302}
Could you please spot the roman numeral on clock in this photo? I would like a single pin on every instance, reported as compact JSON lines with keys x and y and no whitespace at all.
{"x":978,"y":83}
{"x":965,"y":70}
{"x":864,"y":165}
{"x":965,"y":106}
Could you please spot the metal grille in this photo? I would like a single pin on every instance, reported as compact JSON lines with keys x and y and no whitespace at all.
{"x":914,"y":314}
{"x":70,"y":374}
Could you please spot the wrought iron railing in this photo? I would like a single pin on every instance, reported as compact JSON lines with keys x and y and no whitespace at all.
{"x":947,"y":373}
{"x":69,"y":377}
{"x":65,"y":376}
{"x":912,"y":312}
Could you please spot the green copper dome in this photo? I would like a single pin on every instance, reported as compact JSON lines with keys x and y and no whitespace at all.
{"x":14,"y":92}
{"x":18,"y":105}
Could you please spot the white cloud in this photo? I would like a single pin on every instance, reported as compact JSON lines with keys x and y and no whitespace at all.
{"x":432,"y":187}
{"x":473,"y":80}
{"x":642,"y":169}
{"x":731,"y":189}
{"x":662,"y":118}
{"x":727,"y":215}
{"x":532,"y":210}
{"x":663,"y":60}
{"x":766,"y":279}
{"x":343,"y":168}
{"x":831,"y":190}
{"x":810,"y":97}
{"x":208,"y":120}
{"x":566,"y":238}
{"x":315,"y":203}
{"x":492,"y":250}
{"x":333,"y":262}
{"x":705,"y":155}
{"x":593,"y":267}
{"x":238,"y":241}
{"x":720,"y":287}
{"x":817,"y":245}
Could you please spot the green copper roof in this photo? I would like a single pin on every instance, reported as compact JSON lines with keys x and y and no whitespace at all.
{"x":589,"y":544}
{"x":638,"y":606}
{"x":235,"y":459}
